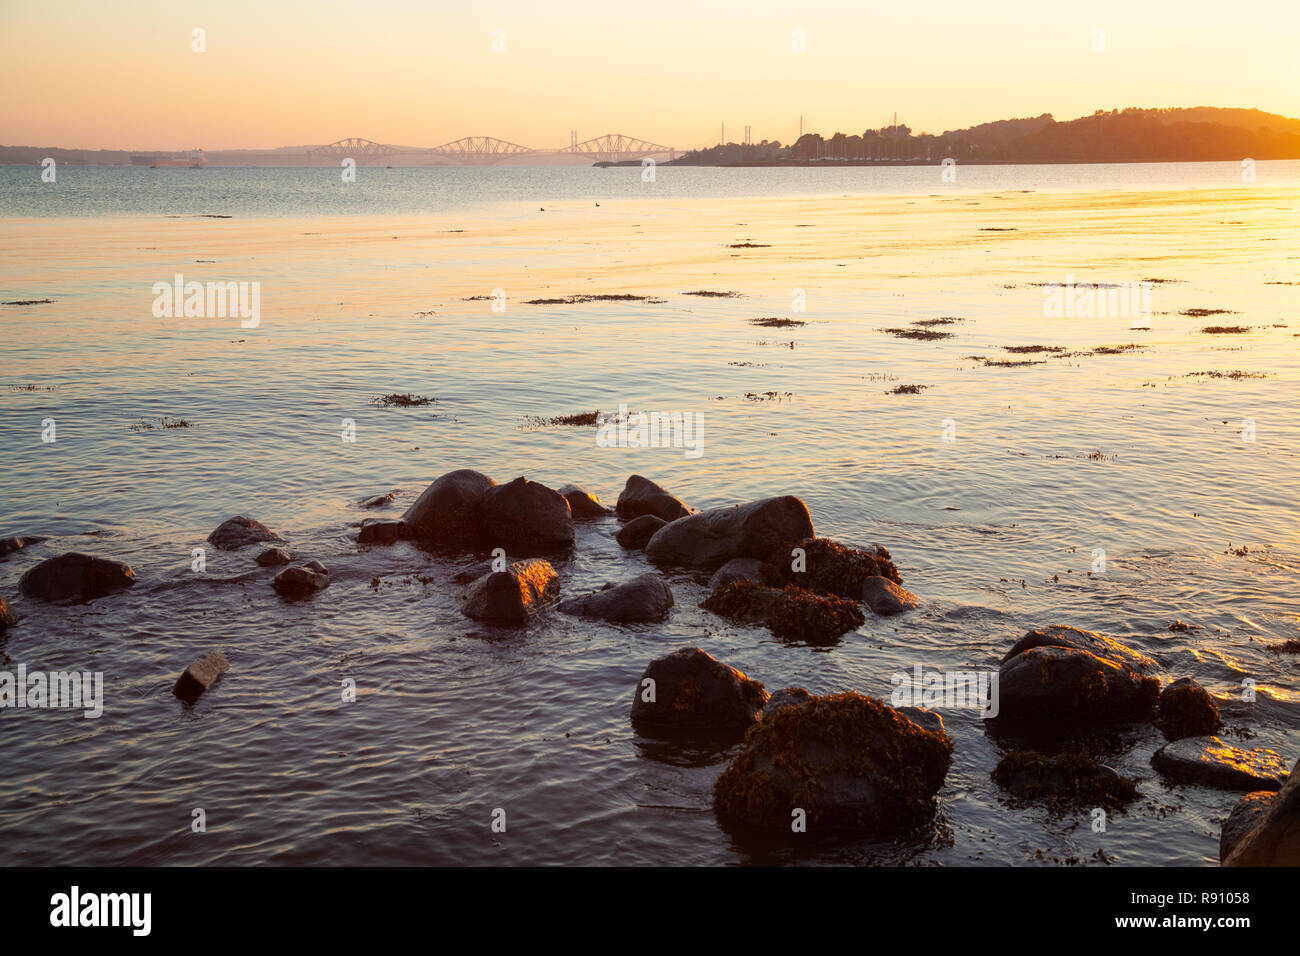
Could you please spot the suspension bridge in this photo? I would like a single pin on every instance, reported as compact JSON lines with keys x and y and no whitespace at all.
{"x":485,"y":150}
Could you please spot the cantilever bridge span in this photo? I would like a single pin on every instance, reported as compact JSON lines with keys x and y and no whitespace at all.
{"x":485,"y":150}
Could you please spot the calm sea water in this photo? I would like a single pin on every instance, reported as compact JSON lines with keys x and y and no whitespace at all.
{"x":365,"y":290}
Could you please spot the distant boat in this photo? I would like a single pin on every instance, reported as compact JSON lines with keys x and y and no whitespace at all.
{"x":195,"y":158}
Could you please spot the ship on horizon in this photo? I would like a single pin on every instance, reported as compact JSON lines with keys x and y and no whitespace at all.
{"x":195,"y":158}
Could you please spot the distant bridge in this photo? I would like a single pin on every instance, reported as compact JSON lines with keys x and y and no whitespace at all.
{"x":485,"y":150}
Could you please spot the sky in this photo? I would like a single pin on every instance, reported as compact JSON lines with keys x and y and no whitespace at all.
{"x":125,"y":74}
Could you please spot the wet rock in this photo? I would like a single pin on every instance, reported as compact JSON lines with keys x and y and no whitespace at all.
{"x":274,"y":556}
{"x":641,"y":496}
{"x":381,"y":531}
{"x":199,"y":676}
{"x":75,"y":576}
{"x":1063,"y":675}
{"x":743,"y":602}
{"x":693,"y":690}
{"x":7,"y":616}
{"x":10,"y":545}
{"x":525,"y":517}
{"x":786,"y":697}
{"x":800,"y":615}
{"x":637,"y":533}
{"x":239,"y":532}
{"x":377,"y":501}
{"x":738,"y":569}
{"x":1186,"y":709}
{"x":1275,"y":840}
{"x":887,"y":598}
{"x":445,"y":512}
{"x":1211,"y":762}
{"x":710,"y":539}
{"x":301,"y":581}
{"x":829,"y":567}
{"x":849,"y":762}
{"x":1247,"y":814}
{"x":1069,"y":780}
{"x":511,"y":595}
{"x":929,"y":719}
{"x":644,"y":598}
{"x":583,"y":504}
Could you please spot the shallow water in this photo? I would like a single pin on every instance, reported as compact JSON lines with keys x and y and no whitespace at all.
{"x":996,"y":530}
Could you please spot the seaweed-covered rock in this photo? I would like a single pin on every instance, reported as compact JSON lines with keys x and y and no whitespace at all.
{"x":644,"y":598}
{"x":1186,"y":709}
{"x":75,"y":577}
{"x":199,"y":676}
{"x":445,"y":512}
{"x":302,"y":580}
{"x":829,"y":567}
{"x":738,"y":569}
{"x":1063,"y":675}
{"x":636,"y":534}
{"x":1211,"y":762}
{"x":886,"y":598}
{"x":743,"y":602}
{"x":271,"y":557}
{"x":1246,"y":814}
{"x":239,"y":532}
{"x":1274,"y":840}
{"x":693,"y":690}
{"x":7,"y":616}
{"x":511,"y":595}
{"x":849,"y":762}
{"x":641,"y":496}
{"x":526,"y":517}
{"x":800,"y":615}
{"x":1069,"y":780}
{"x":381,"y":531}
{"x":710,"y":539}
{"x":583,"y":503}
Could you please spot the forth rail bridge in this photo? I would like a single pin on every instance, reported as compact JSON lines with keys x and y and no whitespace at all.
{"x":610,"y":148}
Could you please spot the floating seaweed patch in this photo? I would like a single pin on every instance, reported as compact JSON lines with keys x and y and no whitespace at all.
{"x":920,"y":335}
{"x":774,"y":322}
{"x":396,"y":400}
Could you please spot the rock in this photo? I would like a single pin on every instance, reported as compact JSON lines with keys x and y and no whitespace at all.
{"x":786,"y":697}
{"x":301,"y":581}
{"x":199,"y":676}
{"x":1275,"y":840}
{"x":239,"y":532}
{"x":1062,"y":675}
{"x":710,"y":539}
{"x":510,"y":595}
{"x":1069,"y":780}
{"x":929,"y":719}
{"x":693,"y":690}
{"x":641,"y":496}
{"x":381,"y":531}
{"x":738,"y":569}
{"x":7,"y":616}
{"x":849,"y":762}
{"x":743,"y":602}
{"x":377,"y":501}
{"x":829,"y":567}
{"x":75,"y":576}
{"x":1186,"y":709}
{"x":10,"y":545}
{"x":525,"y":517}
{"x":1211,"y":762}
{"x":1245,"y":816}
{"x":274,"y":556}
{"x":445,"y":511}
{"x":644,"y":598}
{"x":886,"y":598}
{"x":637,"y":533}
{"x":800,"y":615}
{"x":583,"y":504}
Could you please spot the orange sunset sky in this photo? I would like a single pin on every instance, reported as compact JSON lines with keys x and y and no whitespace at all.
{"x":124,"y":75}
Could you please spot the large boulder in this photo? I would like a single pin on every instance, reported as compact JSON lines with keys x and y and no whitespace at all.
{"x":847,"y":761}
{"x":641,"y":496}
{"x":644,"y":598}
{"x":525,"y":517}
{"x":239,"y":532}
{"x":886,"y":598}
{"x":511,"y":595}
{"x":636,"y":534}
{"x":1274,"y":840}
{"x":693,"y":690}
{"x":710,"y":539}
{"x":1186,"y":709}
{"x":1063,"y":675}
{"x":1246,"y":814}
{"x":445,"y":512}
{"x":1212,"y":762}
{"x":582,"y":503}
{"x":75,"y":577}
{"x":1068,"y":780}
